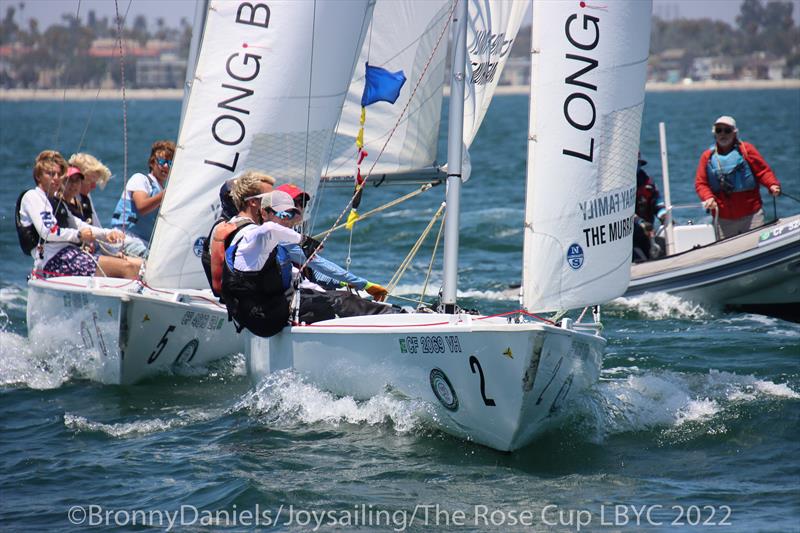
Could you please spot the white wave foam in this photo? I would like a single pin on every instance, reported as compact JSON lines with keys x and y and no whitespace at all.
{"x":138,"y":427}
{"x":12,"y":297}
{"x":25,"y":363}
{"x":659,"y":305}
{"x":666,"y":399}
{"x":769,"y":325}
{"x":433,"y":287}
{"x":285,"y":398}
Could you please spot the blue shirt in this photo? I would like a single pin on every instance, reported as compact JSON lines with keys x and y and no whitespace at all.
{"x":320,"y":265}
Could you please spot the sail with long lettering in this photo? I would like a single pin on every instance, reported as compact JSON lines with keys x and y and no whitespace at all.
{"x":587,"y":95}
{"x":269,"y":86}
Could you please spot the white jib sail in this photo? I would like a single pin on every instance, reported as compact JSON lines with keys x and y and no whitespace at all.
{"x":589,"y":65}
{"x":403,"y":36}
{"x":493,"y":27}
{"x":269,"y":86}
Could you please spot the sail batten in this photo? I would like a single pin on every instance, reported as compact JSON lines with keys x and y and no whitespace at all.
{"x":586,"y":103}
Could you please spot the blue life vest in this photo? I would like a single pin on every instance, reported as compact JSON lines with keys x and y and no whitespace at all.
{"x":282,"y":260}
{"x":139,"y":225}
{"x":730,"y":172}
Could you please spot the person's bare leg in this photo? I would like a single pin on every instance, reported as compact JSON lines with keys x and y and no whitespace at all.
{"x":118,"y":267}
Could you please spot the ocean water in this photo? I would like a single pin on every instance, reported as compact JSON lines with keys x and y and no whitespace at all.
{"x":694,"y":424}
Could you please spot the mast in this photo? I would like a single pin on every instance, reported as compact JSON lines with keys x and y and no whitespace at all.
{"x":662,"y":138}
{"x":455,"y":145}
{"x":198,"y":26}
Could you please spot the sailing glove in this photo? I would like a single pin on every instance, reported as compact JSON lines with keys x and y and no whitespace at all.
{"x":377,"y":292}
{"x":310,"y":245}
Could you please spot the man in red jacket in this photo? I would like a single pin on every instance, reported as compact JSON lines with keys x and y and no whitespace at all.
{"x":727,"y":180}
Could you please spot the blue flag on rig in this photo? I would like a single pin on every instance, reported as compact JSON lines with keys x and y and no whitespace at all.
{"x":381,"y":85}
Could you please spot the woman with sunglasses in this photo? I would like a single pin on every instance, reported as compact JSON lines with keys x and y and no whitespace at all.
{"x":727,"y":180}
{"x":136,"y":210}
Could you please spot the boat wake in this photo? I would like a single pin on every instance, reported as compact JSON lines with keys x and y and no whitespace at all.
{"x":285,"y":399}
{"x":411,"y":289}
{"x":657,"y":305}
{"x":678,"y":404}
{"x":28,"y":363}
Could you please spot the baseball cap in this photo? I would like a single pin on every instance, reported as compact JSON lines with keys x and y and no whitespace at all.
{"x":74,"y":171}
{"x":294,"y":191}
{"x":728,"y":121}
{"x":277,"y":201}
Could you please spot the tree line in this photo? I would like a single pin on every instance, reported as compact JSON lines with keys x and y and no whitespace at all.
{"x":760,"y":27}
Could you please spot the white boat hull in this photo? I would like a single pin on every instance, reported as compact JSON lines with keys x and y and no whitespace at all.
{"x":497,"y":383}
{"x":758,"y":268}
{"x":132,"y":332}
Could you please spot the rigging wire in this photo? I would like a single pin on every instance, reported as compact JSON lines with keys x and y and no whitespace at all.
{"x":308,"y":99}
{"x":66,"y":78}
{"x":413,"y":252}
{"x":120,"y":21}
{"x":394,"y":128}
{"x":97,"y":96}
{"x":424,"y":188}
{"x":430,"y":265}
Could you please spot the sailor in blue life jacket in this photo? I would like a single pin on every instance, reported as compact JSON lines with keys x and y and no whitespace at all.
{"x":727,"y":180}
{"x":649,"y":206}
{"x":138,"y":206}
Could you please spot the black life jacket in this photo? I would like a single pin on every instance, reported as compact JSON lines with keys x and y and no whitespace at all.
{"x":27,"y":235}
{"x":645,"y":197}
{"x":83,"y":210}
{"x":255,"y":300}
{"x":61,"y":211}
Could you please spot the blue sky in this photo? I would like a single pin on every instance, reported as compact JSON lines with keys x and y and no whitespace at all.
{"x":50,"y":11}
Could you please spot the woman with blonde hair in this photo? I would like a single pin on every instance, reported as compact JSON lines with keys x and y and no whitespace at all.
{"x":94,"y":173}
{"x":56,"y":245}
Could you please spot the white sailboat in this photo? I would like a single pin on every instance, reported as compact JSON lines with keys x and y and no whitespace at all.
{"x":263,"y":77}
{"x":496,"y":380}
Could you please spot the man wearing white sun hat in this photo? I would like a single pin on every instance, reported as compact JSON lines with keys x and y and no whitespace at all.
{"x":727,"y":180}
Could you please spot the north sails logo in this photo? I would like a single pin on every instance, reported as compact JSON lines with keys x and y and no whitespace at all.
{"x":575,"y":256}
{"x":198,"y":246}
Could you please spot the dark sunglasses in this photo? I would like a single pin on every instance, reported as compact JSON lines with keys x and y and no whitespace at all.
{"x":723,"y":130}
{"x":161,"y":161}
{"x":286,"y":215}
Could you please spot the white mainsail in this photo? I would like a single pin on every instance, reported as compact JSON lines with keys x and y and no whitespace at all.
{"x":269,"y":87}
{"x":587,"y":95}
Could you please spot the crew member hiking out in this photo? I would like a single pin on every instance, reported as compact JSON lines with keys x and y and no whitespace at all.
{"x":254,"y":278}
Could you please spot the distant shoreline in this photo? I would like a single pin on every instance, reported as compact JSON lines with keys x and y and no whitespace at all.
{"x":19,"y":95}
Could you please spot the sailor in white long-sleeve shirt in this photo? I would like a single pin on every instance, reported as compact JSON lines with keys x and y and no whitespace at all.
{"x":55,"y":247}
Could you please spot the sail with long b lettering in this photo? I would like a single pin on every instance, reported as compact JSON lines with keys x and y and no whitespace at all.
{"x":269,"y":86}
{"x":587,"y":95}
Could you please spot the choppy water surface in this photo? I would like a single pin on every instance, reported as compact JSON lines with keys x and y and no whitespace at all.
{"x":696,"y":419}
